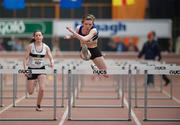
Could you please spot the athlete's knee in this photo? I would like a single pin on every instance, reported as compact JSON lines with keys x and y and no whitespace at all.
{"x":41,"y":90}
{"x":30,"y":92}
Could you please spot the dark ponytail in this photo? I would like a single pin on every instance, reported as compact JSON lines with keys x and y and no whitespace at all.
{"x":32,"y":40}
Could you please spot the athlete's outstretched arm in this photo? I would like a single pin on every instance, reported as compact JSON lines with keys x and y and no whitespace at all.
{"x":71,"y":36}
{"x":80,"y":37}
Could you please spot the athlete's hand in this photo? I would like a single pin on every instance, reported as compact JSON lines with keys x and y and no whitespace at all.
{"x":70,"y":29}
{"x":67,"y":37}
{"x":52,"y":64}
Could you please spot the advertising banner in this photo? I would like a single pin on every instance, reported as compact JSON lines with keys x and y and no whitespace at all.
{"x":109,"y":28}
{"x":24,"y":28}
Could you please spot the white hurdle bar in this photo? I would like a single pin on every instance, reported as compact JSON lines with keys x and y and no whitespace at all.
{"x":156,"y":69}
{"x":135,"y":65}
{"x":15,"y":72}
{"x":71,"y":98}
{"x":173,"y":71}
{"x":7,"y":68}
{"x":160,"y":69}
{"x":62,"y":69}
{"x":76,"y":81}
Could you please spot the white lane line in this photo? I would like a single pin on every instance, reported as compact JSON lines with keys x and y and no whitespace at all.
{"x":64,"y":117}
{"x":167,"y":94}
{"x":66,"y":112}
{"x":9,"y":106}
{"x":132,"y":113}
{"x":174,"y":98}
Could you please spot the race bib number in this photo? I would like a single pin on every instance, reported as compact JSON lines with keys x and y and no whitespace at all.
{"x":37,"y":61}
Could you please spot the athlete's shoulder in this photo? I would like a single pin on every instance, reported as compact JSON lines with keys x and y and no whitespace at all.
{"x":94,"y":28}
{"x":45,"y":45}
{"x":78,"y":27}
{"x":31,"y":45}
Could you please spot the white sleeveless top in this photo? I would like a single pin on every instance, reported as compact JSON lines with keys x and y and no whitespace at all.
{"x":37,"y":58}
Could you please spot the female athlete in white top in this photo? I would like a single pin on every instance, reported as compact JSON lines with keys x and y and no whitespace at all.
{"x":88,"y":36}
{"x":34,"y":59}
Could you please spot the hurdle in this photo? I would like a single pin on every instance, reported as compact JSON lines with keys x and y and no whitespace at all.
{"x":14,"y":71}
{"x":159,"y":66}
{"x":80,"y":87}
{"x":105,"y":88}
{"x":71,"y":98}
{"x":57,"y":66}
{"x":44,"y":106}
{"x":134,"y":65}
{"x":76,"y":96}
{"x":76,"y":90}
{"x":157,"y":69}
{"x":63,"y":68}
{"x":171,"y":71}
{"x":171,"y":93}
{"x":5,"y":64}
{"x":14,"y":94}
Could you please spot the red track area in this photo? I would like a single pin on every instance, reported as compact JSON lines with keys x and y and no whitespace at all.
{"x":93,"y":87}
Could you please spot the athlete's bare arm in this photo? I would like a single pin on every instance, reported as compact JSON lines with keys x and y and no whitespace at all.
{"x":26,"y":59}
{"x":71,"y":36}
{"x":83,"y":39}
{"x":50,"y":57}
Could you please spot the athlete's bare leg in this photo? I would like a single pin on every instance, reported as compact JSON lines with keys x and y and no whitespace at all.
{"x":30,"y":86}
{"x":101,"y":65}
{"x":42,"y":81}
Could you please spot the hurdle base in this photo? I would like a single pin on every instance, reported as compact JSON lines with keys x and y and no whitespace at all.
{"x":98,"y":106}
{"x":158,"y":106}
{"x":162,"y":120}
{"x":43,"y":106}
{"x":100,"y":97}
{"x":99,"y":119}
{"x":28,"y":119}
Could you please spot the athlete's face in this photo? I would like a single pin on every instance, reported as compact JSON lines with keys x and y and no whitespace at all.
{"x":150,"y":36}
{"x":88,"y":24}
{"x":38,"y":36}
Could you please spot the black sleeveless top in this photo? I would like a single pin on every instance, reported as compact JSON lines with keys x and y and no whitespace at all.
{"x":94,"y":37}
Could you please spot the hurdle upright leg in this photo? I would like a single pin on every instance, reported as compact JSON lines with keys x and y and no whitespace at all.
{"x":145,"y":96}
{"x":55,"y":93}
{"x":135,"y":91}
{"x":63,"y":87}
{"x":69,"y":95}
{"x":1,"y":90}
{"x":14,"y":87}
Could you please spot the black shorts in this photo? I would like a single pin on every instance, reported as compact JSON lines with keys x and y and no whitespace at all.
{"x":95,"y":52}
{"x":34,"y":76}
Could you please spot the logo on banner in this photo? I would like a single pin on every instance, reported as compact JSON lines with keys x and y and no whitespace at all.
{"x":113,"y":28}
{"x":7,"y":27}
